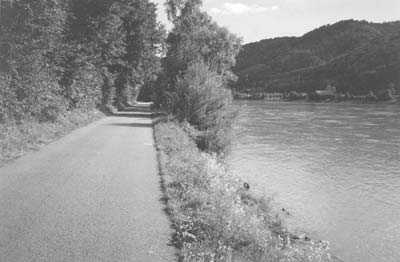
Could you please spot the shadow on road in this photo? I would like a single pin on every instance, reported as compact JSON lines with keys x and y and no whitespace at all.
{"x":136,"y":114}
{"x":132,"y":124}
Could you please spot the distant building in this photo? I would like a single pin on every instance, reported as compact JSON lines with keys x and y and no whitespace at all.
{"x":329,"y":92}
{"x":274,"y":96}
{"x":293,"y":95}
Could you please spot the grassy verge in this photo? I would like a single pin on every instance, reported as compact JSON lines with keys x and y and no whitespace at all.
{"x":16,"y":139}
{"x":215,"y":218}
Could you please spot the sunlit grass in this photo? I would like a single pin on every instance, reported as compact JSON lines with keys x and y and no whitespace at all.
{"x":16,"y":139}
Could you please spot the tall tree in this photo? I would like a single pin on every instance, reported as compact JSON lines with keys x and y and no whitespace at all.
{"x":195,"y":37}
{"x":123,"y":37}
{"x":145,"y":42}
{"x":95,"y":43}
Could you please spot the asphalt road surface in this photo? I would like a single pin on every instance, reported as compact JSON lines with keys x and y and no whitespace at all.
{"x":93,"y":195}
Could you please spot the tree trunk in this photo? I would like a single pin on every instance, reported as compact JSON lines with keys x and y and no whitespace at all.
{"x":136,"y":92}
{"x":108,"y":90}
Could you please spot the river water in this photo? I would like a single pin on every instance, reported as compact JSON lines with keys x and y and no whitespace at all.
{"x":334,"y":167}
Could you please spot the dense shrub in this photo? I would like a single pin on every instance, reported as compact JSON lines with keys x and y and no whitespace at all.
{"x":36,"y":96}
{"x":9,"y":105}
{"x":202,"y":100}
{"x":29,"y":33}
{"x":40,"y":96}
{"x":81,"y":81}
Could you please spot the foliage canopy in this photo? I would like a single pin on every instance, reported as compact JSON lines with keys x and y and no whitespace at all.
{"x":61,"y":55}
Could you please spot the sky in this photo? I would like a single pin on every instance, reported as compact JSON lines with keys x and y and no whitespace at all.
{"x":254,"y":20}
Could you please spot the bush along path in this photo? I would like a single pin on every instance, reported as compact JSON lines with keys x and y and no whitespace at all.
{"x":93,"y":195}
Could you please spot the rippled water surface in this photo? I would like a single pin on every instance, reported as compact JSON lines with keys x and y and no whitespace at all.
{"x":335,"y":167}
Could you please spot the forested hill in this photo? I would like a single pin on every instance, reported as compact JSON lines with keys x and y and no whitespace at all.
{"x":356,"y":56}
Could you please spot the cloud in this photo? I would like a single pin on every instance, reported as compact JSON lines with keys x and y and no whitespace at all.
{"x":295,"y":2}
{"x":275,"y":8}
{"x":240,"y":8}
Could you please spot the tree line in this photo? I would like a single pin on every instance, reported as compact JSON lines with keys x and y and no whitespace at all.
{"x":59,"y":55}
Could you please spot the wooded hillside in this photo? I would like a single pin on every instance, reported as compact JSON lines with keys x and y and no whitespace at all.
{"x":356,"y":56}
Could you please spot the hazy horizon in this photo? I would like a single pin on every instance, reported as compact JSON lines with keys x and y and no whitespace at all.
{"x":256,"y":20}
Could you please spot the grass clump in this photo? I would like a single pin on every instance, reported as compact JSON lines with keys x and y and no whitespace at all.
{"x":18,"y":138}
{"x":214,"y":217}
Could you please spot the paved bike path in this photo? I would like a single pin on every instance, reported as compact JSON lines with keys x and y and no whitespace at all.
{"x":93,"y":195}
